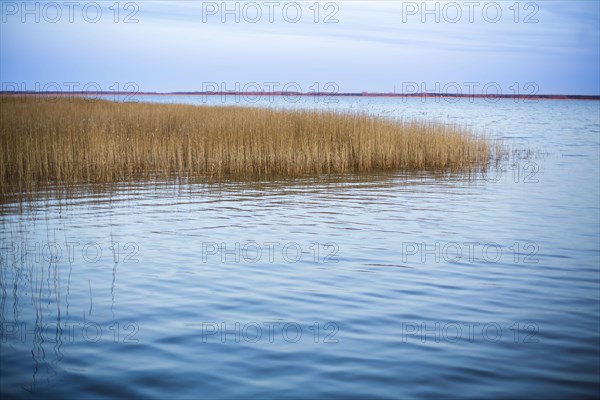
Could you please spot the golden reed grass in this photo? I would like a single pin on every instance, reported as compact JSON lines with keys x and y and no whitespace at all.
{"x":70,"y":141}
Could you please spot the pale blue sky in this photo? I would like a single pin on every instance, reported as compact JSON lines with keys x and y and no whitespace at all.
{"x":374,"y":46}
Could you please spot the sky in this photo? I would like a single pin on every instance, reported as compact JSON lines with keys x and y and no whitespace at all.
{"x":478,"y":47}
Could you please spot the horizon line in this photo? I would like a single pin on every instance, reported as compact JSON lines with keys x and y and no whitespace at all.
{"x":306,"y":94}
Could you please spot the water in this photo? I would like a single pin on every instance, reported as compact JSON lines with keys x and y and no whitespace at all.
{"x":396,"y":285}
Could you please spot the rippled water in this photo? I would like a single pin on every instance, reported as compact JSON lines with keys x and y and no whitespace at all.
{"x":398,"y":285}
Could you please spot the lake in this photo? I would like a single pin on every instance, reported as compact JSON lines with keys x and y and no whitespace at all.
{"x":389,"y":285}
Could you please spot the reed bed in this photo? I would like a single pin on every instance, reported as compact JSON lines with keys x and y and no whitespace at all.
{"x":72,"y":141}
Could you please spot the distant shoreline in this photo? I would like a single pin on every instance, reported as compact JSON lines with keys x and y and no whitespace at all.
{"x":320,"y":94}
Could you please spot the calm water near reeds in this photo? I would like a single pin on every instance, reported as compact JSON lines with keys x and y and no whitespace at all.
{"x":381,"y":286}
